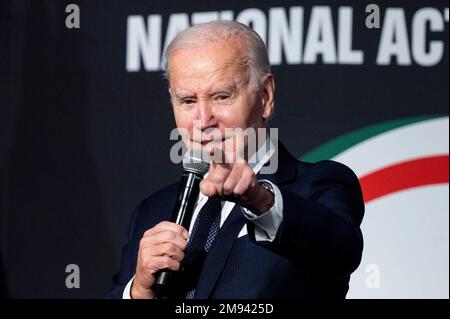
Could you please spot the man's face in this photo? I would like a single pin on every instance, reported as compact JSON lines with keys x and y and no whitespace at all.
{"x":210,"y":87}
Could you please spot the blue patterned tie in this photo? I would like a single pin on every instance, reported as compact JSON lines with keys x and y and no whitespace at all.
{"x":204,"y":232}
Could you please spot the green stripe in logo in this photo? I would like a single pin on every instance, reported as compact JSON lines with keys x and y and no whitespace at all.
{"x":338,"y":145}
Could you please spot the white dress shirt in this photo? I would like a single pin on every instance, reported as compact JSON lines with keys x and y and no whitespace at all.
{"x":266,"y":225}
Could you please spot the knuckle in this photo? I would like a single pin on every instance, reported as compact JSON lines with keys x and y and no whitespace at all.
{"x":183,"y":244}
{"x":142,"y":243}
{"x":208,"y":189}
{"x":165,"y":224}
{"x":219,"y":190}
{"x":218,"y":177}
{"x":170,"y":236}
{"x":227,"y":187}
{"x":161,"y":263}
{"x":158,"y":264}
{"x":179,"y":229}
{"x":148,"y":232}
{"x":205,"y":184}
{"x":170,"y":248}
{"x":175,"y":265}
{"x":212,"y":178}
{"x":237,"y":191}
{"x":167,"y":262}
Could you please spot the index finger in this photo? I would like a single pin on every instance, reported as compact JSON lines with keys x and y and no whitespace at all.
{"x":239,"y":146}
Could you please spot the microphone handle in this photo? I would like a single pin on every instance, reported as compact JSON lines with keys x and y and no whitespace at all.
{"x":181,"y":215}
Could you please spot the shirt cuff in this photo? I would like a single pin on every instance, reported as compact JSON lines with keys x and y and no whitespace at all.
{"x":267,"y":224}
{"x":127,"y":291}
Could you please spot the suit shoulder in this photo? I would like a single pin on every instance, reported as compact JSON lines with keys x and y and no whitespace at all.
{"x":153,"y":209}
{"x":329,"y":169}
{"x":161,"y":197}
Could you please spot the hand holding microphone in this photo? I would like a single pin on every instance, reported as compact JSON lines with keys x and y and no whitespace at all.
{"x":161,"y":249}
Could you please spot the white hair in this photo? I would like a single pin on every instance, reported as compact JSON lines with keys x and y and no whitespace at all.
{"x":256,"y":60}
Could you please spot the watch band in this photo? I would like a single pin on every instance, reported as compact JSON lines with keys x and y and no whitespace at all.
{"x":268,"y":187}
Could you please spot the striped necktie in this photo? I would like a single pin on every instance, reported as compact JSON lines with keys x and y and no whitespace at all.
{"x":204,"y":232}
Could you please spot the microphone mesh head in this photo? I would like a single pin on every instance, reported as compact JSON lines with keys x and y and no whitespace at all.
{"x":196,"y":161}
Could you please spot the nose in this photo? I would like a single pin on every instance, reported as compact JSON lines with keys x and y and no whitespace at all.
{"x":206,"y":115}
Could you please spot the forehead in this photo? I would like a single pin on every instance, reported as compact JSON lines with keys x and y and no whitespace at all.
{"x":207,"y":66}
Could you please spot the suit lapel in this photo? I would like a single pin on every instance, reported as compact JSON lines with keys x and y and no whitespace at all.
{"x":287,"y":166}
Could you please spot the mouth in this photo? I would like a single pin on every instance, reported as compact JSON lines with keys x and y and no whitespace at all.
{"x":211,"y":141}
{"x":208,"y":138}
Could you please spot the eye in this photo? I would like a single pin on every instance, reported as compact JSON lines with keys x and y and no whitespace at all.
{"x":188,"y":101}
{"x":222,"y":97}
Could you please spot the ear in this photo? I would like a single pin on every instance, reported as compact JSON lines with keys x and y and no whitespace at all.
{"x":268,"y":96}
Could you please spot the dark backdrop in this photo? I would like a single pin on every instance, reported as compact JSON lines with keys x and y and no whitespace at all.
{"x":83,"y":140}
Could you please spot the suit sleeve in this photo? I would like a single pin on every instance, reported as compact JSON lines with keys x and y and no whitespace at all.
{"x":321,"y":222}
{"x":127,"y":266}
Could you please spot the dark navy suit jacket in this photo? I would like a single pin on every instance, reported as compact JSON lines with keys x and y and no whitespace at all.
{"x":318,"y":245}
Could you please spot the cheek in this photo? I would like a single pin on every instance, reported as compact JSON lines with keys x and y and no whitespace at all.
{"x":182,"y":119}
{"x":184,"y":129}
{"x":230,"y":117}
{"x":243,"y":114}
{"x":224,"y":114}
{"x":187,"y":124}
{"x":254,"y":111}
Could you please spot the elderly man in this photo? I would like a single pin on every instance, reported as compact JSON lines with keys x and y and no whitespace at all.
{"x":291,"y":234}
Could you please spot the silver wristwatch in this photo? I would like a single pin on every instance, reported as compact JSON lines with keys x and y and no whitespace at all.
{"x":270,"y":189}
{"x":267,"y":186}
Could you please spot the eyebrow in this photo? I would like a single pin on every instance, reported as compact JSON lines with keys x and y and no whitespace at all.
{"x":182,"y":95}
{"x":226,"y":88}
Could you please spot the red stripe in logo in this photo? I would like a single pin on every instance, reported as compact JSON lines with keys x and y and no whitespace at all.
{"x":410,"y":174}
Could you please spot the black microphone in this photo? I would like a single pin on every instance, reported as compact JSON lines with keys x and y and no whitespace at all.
{"x":195,"y":164}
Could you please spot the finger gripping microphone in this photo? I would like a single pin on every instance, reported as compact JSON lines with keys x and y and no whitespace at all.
{"x":195,"y":164}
